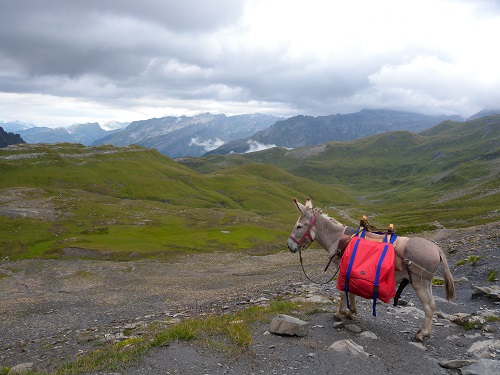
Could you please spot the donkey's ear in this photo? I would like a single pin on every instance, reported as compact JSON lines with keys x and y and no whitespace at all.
{"x":300,"y":206}
{"x":309,"y":203}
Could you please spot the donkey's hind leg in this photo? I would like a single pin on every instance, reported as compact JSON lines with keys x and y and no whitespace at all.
{"x":423,"y":288}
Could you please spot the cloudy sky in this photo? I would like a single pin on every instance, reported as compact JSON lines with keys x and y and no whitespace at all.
{"x":64,"y":62}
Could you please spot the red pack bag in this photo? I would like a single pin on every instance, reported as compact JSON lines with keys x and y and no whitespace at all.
{"x":367,"y":270}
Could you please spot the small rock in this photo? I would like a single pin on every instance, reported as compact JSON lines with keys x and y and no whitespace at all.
{"x":489,"y":328}
{"x":172,"y":320}
{"x":288,"y":325}
{"x":140,"y":324}
{"x":353,"y":328}
{"x":478,"y":320}
{"x":473,"y":336}
{"x":338,"y":325}
{"x":460,"y":318}
{"x":443,"y":315}
{"x":409,"y":310}
{"x":481,"y":349}
{"x":348,"y":346}
{"x":21,"y":368}
{"x":490,"y":313}
{"x":440,"y":299}
{"x":482,"y":367}
{"x":490,"y":291}
{"x":368,"y":335}
{"x":457,"y":363}
{"x":418,"y":345}
{"x":113,"y":337}
{"x":259,"y":300}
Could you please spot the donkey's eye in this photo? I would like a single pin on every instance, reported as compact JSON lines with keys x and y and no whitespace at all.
{"x":299,"y":226}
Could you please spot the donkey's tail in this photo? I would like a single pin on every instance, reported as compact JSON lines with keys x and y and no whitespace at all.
{"x":448,"y":278}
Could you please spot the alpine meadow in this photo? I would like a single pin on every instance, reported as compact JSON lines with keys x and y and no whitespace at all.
{"x":111,"y":202}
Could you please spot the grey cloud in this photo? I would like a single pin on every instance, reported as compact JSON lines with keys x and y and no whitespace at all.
{"x":112,"y":38}
{"x":130,"y":52}
{"x":186,"y":15}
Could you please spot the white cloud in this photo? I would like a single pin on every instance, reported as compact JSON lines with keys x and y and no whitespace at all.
{"x":254,"y":146}
{"x":209,"y":145}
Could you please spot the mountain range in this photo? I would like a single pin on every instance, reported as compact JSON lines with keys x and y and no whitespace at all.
{"x":172,"y":136}
{"x":189,"y":136}
{"x":220,"y":134}
{"x":80,"y":133}
{"x":85,"y":134}
{"x":300,"y":131}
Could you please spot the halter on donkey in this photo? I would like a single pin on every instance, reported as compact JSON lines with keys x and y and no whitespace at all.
{"x":417,"y":259}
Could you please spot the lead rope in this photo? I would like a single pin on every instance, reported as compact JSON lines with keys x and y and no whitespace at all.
{"x":337,"y":253}
{"x":328,"y":264}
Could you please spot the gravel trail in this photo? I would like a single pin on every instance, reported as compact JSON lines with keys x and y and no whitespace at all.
{"x":54,"y":310}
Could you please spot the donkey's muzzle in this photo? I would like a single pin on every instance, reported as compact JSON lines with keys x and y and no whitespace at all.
{"x":292,"y":245}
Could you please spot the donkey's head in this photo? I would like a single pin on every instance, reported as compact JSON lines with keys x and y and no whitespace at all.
{"x":303,"y":232}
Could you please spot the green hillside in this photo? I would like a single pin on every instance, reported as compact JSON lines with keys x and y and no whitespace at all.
{"x":449,"y":173}
{"x":125,"y":203}
{"x":133,"y":202}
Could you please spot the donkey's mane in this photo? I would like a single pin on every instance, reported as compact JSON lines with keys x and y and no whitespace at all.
{"x":319,"y":211}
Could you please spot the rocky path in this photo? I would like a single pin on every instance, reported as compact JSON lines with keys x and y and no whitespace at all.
{"x":52,"y":311}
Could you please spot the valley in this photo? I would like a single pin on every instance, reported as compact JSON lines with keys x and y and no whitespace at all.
{"x":101,"y":244}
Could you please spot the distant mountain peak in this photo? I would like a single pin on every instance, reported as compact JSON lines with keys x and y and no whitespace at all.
{"x":15,"y":126}
{"x":485,"y":112}
{"x":114,"y":125}
{"x":8,"y":138}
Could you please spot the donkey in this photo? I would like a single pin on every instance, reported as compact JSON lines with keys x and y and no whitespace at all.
{"x":416,"y":260}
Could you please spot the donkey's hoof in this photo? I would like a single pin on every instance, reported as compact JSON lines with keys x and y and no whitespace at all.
{"x":350,"y":315}
{"x":337,"y":318}
{"x":420,"y":337}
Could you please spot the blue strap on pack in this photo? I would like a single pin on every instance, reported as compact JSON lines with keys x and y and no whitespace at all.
{"x":377,"y":278}
{"x":349,"y":269}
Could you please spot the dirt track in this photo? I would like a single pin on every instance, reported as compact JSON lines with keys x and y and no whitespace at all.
{"x":50,"y":310}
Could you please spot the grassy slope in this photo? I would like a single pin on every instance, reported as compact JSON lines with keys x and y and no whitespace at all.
{"x":449,"y":173}
{"x":136,"y":201}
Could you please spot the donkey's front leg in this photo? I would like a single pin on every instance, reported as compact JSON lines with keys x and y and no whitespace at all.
{"x":353,"y":310}
{"x":343,"y":310}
